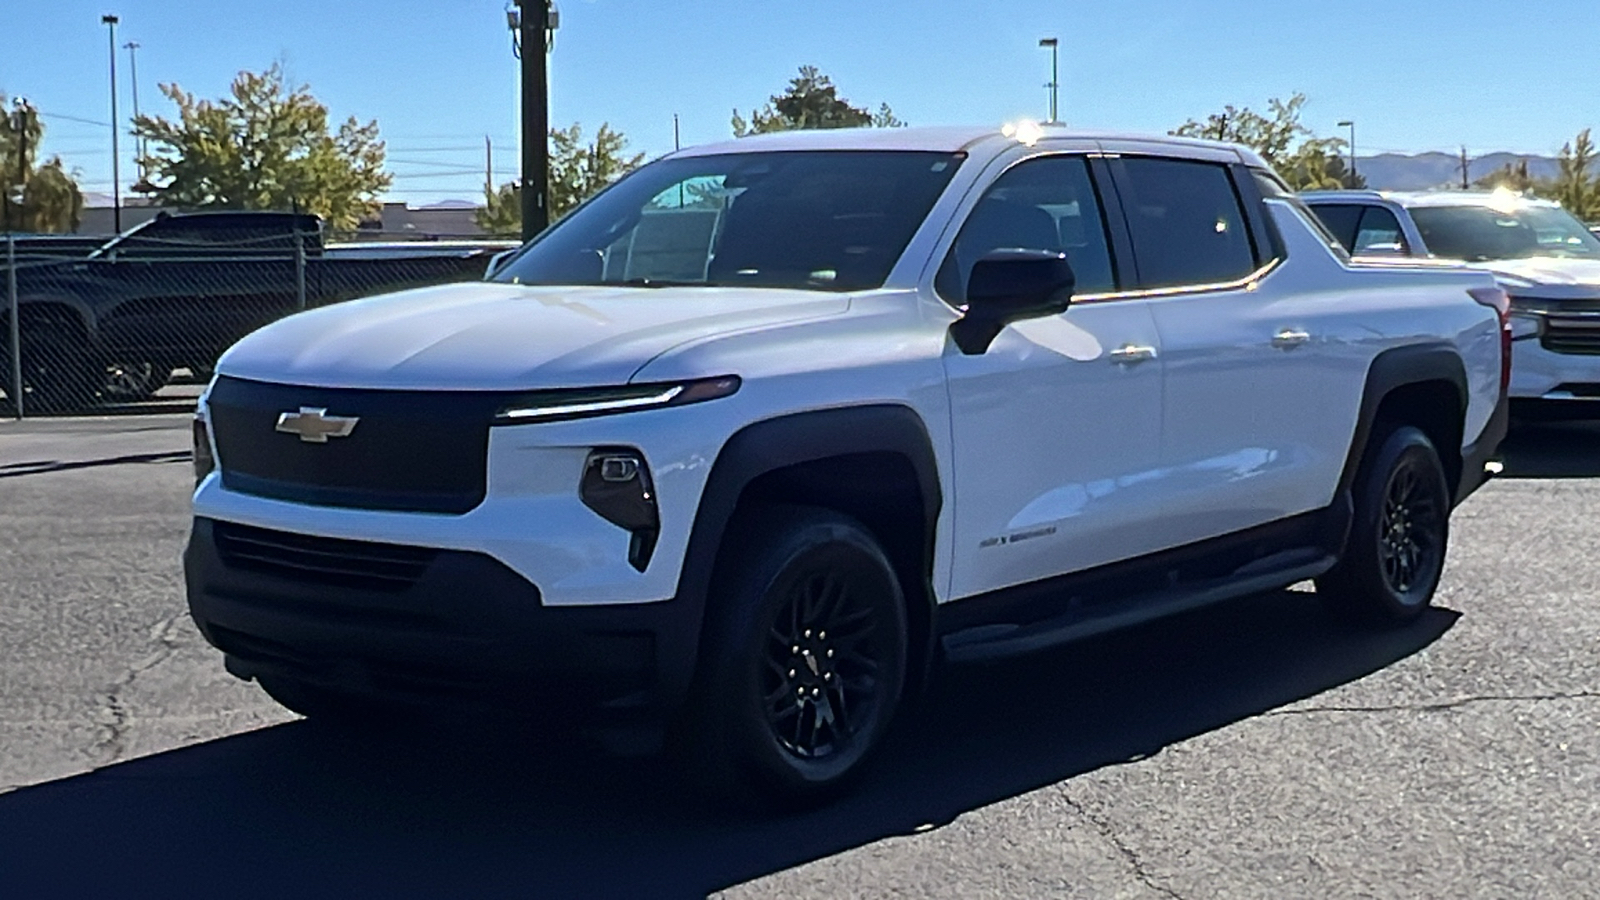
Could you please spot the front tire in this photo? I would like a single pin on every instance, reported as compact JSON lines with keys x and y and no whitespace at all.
{"x":804,"y":660}
{"x":322,"y":705}
{"x":1395,"y":554}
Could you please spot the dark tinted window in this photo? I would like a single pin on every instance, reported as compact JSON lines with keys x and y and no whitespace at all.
{"x":827,"y":220}
{"x":1041,"y":204}
{"x":1476,"y":233}
{"x":1379,"y":233}
{"x":1342,"y":219}
{"x":1185,"y":221}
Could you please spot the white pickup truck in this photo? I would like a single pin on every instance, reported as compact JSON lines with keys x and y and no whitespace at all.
{"x":747,"y":443}
{"x":1545,"y":259}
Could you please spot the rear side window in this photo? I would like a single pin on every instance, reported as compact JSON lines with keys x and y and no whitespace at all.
{"x":1185,"y":220}
{"x":1342,"y":220}
{"x":1379,"y":232}
{"x":1047,"y":203}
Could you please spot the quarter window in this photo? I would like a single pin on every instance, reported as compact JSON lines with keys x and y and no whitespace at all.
{"x":1379,"y":233}
{"x":1186,"y":222}
{"x":1047,"y":203}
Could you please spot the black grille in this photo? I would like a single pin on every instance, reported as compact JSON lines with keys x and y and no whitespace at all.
{"x":1576,"y":336}
{"x":410,"y":451}
{"x":303,"y":557}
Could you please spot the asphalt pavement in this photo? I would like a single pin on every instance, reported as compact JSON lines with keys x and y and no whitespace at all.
{"x":1253,"y":749}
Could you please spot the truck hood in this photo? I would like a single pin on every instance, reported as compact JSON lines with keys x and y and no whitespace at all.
{"x":488,"y":336}
{"x":1546,"y":277}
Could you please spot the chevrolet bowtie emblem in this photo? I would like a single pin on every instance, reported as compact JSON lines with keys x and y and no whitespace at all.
{"x":315,"y":426}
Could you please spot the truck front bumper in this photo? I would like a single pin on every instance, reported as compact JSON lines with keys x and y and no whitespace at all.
{"x":441,"y":627}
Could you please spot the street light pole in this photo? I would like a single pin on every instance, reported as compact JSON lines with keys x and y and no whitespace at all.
{"x":1351,"y":178}
{"x":1055,"y":79}
{"x":116,"y":175}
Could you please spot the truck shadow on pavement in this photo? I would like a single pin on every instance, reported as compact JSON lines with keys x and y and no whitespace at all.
{"x":298,"y":810}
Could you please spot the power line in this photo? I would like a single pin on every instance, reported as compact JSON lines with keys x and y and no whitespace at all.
{"x":81,"y":119}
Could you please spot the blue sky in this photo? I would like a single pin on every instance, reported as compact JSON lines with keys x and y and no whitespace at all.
{"x":438,"y":76}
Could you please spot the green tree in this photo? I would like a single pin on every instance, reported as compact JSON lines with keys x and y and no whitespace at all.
{"x":1577,"y":186}
{"x":33,"y":197}
{"x":578,"y":170}
{"x":812,"y":101}
{"x":265,"y":146}
{"x":501,"y":212}
{"x":1305,"y":161}
{"x":1511,"y":176}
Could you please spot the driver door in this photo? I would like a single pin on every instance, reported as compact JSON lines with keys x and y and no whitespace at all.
{"x":1056,"y":428}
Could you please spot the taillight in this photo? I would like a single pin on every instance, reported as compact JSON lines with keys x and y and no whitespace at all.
{"x":1497,"y":299}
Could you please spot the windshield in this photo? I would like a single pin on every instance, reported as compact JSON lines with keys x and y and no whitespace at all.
{"x":1479,"y":233}
{"x":816,"y":220}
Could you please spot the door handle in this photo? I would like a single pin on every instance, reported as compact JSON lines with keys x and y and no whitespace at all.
{"x":1130,"y":354}
{"x":1289,"y":338}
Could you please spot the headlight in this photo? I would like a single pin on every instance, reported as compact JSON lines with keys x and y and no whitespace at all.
{"x":1523,"y":327}
{"x":616,"y":484}
{"x":552,"y":406}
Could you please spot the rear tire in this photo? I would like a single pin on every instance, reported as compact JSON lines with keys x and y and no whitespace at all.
{"x":1395,"y":554}
{"x":804,"y":658}
{"x":57,"y":376}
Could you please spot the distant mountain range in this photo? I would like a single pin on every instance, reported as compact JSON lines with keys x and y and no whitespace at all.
{"x":1397,"y":172}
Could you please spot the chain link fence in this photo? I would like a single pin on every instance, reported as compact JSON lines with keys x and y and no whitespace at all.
{"x":95,"y":325}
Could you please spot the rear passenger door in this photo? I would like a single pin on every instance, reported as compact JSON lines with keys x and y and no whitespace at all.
{"x":1245,"y":439}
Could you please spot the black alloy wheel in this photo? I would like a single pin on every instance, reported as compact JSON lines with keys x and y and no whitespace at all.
{"x":1410,"y":535}
{"x":822,"y":666}
{"x":804,"y":658}
{"x":1395,"y":553}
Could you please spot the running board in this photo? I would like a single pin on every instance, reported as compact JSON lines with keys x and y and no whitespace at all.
{"x":994,"y":641}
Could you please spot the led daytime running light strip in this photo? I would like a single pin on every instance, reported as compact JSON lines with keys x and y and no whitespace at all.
{"x":592,"y":407}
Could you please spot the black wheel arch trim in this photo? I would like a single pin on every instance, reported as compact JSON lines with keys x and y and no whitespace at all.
{"x":1391,"y":370}
{"x":788,"y":440}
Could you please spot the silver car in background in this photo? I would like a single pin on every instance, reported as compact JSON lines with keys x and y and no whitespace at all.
{"x":1544,"y":258}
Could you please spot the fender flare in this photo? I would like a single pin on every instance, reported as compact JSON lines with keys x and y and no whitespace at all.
{"x":1391,"y":370}
{"x":772,"y":444}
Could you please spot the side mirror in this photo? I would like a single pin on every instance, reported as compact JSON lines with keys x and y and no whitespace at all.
{"x":1007,"y":286}
{"x":498,"y":262}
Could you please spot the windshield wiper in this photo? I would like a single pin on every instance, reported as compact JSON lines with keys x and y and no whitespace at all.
{"x":655,"y":283}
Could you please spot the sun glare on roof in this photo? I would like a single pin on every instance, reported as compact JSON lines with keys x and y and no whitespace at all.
{"x":1025,"y":131}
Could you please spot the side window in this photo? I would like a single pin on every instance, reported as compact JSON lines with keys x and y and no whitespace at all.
{"x":1047,"y":203}
{"x":1342,"y":219}
{"x":1379,"y":233}
{"x":1185,"y":221}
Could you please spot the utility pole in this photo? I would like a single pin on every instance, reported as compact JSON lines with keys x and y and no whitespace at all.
{"x":1350,"y":124}
{"x":116,"y":174}
{"x":1464,"y":183}
{"x":534,"y":32}
{"x":17,"y":121}
{"x":1055,"y":80}
{"x":488,"y":169}
{"x":133,"y":76}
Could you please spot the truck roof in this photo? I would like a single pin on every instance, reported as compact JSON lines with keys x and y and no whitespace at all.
{"x":942,"y":138}
{"x":1494,"y":199}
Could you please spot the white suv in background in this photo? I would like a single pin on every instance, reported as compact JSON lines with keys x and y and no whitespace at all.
{"x":1546,"y":260}
{"x":753,"y":438}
